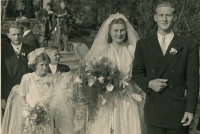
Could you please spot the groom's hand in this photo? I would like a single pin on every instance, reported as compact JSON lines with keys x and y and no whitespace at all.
{"x":158,"y":84}
{"x":187,"y":118}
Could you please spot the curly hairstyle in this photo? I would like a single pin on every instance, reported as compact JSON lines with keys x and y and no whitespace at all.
{"x":116,"y":21}
{"x":38,"y":59}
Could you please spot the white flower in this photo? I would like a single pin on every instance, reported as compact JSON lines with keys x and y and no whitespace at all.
{"x":34,"y":116}
{"x":91,"y":80}
{"x":102,"y":99}
{"x":23,"y":54}
{"x":101,"y":79}
{"x":123,"y":82}
{"x":137,"y":97}
{"x":89,"y":73}
{"x":100,"y":57}
{"x":109,"y":87}
{"x":173,"y":51}
{"x":25,"y":113}
{"x":77,"y":80}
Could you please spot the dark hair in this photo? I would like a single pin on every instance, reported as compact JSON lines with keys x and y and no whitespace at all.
{"x":15,"y":25}
{"x":116,"y":21}
{"x":165,"y":4}
{"x":23,"y":21}
{"x":38,"y":59}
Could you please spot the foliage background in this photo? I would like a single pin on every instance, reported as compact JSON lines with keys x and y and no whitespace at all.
{"x":140,"y":14}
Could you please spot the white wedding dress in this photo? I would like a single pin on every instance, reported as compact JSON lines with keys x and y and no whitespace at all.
{"x":125,"y":118}
{"x":34,"y":89}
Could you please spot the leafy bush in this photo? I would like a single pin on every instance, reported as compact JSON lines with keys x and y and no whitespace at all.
{"x":140,"y":14}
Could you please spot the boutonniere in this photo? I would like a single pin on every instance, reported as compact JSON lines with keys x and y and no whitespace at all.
{"x":173,"y":51}
{"x":22,"y":54}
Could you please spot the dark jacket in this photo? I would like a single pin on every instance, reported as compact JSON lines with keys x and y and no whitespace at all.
{"x":166,"y":109}
{"x":12,"y":68}
{"x":61,"y":68}
{"x":31,"y":40}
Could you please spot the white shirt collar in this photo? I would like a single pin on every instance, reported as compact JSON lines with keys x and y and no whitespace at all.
{"x":17,"y":48}
{"x":168,"y":38}
{"x":26,"y":32}
{"x":53,"y":68}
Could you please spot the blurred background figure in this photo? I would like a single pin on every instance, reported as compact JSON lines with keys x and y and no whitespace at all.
{"x":61,"y":37}
{"x":37,"y":7}
{"x":45,"y":3}
{"x":28,"y":8}
{"x":28,"y":37}
{"x":19,"y":7}
{"x":45,"y":17}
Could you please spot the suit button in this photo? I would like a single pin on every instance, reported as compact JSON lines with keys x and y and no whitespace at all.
{"x":170,"y":86}
{"x":152,"y":70}
{"x":172,"y":71}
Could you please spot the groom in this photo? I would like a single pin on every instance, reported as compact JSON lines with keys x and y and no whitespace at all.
{"x":166,"y":68}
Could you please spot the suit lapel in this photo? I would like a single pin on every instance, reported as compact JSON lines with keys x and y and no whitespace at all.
{"x":168,"y":58}
{"x":155,"y":49}
{"x":26,"y":36}
{"x":8,"y":54}
{"x":22,"y":58}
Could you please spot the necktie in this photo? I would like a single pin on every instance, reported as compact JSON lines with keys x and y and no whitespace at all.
{"x":163,"y":45}
{"x":17,"y":50}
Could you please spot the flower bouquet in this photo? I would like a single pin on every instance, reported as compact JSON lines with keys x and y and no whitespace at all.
{"x":35,"y":116}
{"x":96,"y":77}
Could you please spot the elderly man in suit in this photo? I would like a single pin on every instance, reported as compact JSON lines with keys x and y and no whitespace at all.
{"x":14,"y":62}
{"x":28,"y":38}
{"x":54,"y":66}
{"x":166,"y":67}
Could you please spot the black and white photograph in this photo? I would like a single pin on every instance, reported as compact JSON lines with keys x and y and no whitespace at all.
{"x":100,"y":67}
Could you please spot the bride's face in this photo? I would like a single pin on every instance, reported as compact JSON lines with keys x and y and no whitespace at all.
{"x":118,"y":33}
{"x":42,"y":68}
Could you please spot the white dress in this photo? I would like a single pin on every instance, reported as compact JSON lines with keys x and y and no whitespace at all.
{"x":125,"y":118}
{"x":34,"y":89}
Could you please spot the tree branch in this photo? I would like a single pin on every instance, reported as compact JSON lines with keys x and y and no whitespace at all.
{"x":183,"y":7}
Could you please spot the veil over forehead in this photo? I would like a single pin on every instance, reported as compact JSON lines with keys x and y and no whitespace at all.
{"x":101,"y":38}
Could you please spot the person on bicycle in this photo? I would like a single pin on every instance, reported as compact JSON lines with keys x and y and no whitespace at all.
{"x":62,"y":24}
{"x":45,"y":17}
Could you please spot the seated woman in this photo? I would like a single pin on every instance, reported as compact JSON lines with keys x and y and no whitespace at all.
{"x":38,"y":87}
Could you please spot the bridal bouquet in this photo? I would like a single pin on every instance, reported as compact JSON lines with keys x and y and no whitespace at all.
{"x":35,"y":116}
{"x":96,"y":77}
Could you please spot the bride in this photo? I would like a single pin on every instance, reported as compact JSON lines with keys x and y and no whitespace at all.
{"x":116,"y":40}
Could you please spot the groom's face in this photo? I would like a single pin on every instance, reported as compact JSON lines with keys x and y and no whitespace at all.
{"x":164,"y":17}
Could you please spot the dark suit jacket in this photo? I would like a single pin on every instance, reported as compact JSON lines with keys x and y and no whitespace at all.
{"x":10,"y":78}
{"x":61,"y":68}
{"x":31,"y":40}
{"x":166,"y":109}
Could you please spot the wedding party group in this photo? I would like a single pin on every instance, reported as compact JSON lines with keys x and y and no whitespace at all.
{"x":125,"y":85}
